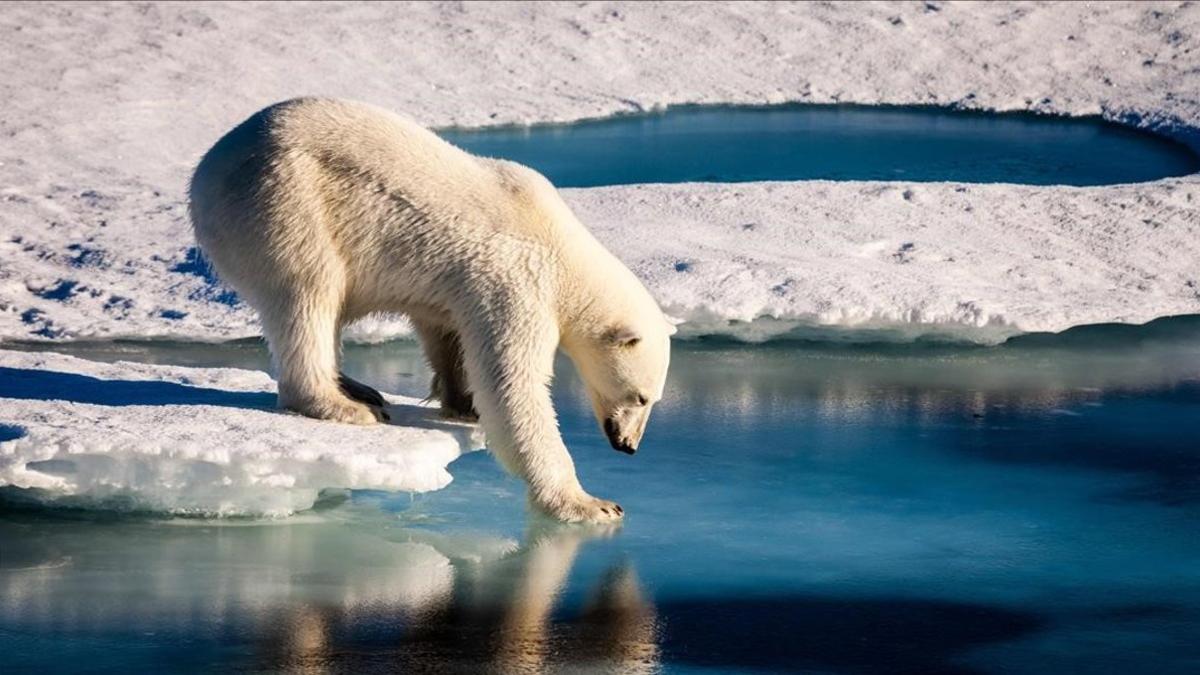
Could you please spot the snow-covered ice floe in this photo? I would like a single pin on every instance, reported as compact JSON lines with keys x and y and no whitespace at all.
{"x":108,"y":107}
{"x":894,"y":260}
{"x":204,"y":441}
{"x":750,"y":260}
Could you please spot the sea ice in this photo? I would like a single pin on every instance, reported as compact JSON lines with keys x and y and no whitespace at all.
{"x":203,"y":441}
{"x":108,"y":108}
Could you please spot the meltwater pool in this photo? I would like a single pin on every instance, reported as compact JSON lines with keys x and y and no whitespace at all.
{"x":828,"y":142}
{"x":797,"y":507}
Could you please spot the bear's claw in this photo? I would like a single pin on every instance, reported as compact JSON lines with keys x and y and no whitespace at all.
{"x":366,"y":395}
{"x":582,"y":508}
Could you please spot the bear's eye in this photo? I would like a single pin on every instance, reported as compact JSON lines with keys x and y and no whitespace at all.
{"x":622,"y":336}
{"x":642,"y":400}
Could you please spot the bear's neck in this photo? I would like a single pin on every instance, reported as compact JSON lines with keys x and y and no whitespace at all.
{"x":595,"y":291}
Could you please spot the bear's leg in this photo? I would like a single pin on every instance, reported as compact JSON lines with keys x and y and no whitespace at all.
{"x":301,"y":326}
{"x":509,"y":362}
{"x":444,"y":352}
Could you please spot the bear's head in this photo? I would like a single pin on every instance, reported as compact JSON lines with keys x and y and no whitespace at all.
{"x":625,"y":369}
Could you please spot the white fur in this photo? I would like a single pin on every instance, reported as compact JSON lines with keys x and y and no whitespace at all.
{"x":319,"y":212}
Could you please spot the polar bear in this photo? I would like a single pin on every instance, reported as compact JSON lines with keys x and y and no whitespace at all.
{"x":321,"y":211}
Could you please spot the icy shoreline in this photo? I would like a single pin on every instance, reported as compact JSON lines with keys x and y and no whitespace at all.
{"x":198,"y":441}
{"x":109,"y":107}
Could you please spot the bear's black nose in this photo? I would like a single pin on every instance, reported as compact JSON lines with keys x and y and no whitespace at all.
{"x":614,"y":438}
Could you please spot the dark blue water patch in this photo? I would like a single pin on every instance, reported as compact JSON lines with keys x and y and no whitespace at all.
{"x":834,"y":142}
{"x":802,"y":633}
{"x":1150,"y":437}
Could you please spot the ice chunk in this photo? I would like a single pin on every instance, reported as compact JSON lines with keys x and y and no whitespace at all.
{"x":198,"y":440}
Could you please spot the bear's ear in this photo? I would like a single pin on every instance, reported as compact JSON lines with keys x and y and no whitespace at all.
{"x":672,"y":322}
{"x":622,"y":336}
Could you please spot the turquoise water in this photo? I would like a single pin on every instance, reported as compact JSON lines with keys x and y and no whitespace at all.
{"x":806,"y":142}
{"x":795,"y":508}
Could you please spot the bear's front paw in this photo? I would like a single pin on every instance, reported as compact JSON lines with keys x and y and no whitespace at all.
{"x":580,"y":507}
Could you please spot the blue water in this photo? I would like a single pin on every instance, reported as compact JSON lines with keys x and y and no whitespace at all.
{"x":794,"y":508}
{"x":805,"y":142}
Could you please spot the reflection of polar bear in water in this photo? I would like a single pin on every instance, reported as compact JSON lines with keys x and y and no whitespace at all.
{"x":319,"y":212}
{"x":502,"y":614}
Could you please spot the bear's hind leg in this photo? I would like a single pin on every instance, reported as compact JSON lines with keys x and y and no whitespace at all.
{"x":302,"y":330}
{"x":444,"y":352}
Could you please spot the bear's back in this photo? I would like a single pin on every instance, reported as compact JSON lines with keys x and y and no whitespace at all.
{"x":367,"y":170}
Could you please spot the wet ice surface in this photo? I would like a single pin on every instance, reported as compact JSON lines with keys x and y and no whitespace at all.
{"x":1031,"y":507}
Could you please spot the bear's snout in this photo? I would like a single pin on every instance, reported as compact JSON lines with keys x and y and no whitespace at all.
{"x":613,"y":432}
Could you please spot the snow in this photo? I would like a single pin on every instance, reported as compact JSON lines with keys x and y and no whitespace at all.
{"x":108,"y":106}
{"x":892,"y":261}
{"x":203,"y":441}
